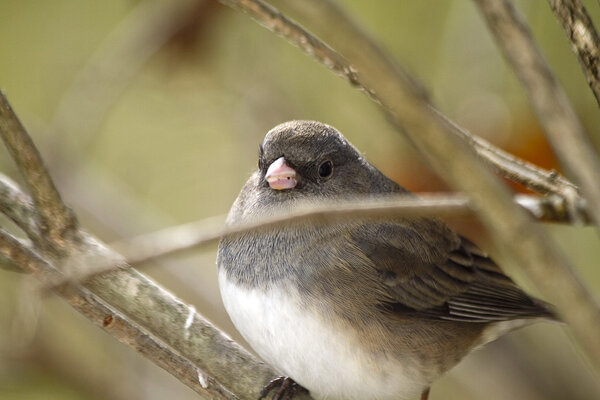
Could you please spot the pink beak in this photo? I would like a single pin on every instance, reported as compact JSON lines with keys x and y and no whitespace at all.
{"x":280,"y":175}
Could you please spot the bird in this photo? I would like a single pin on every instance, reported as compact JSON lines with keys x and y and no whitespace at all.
{"x":361,"y":308}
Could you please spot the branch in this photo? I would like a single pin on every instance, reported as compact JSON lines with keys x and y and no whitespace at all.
{"x":180,"y":238}
{"x":517,"y":169}
{"x":176,"y":239}
{"x":54,"y":220}
{"x":146,"y":317}
{"x":183,"y":237}
{"x":134,"y":309}
{"x":561,"y":125}
{"x":351,"y":40}
{"x":111,"y":320}
{"x":18,"y":207}
{"x":511,"y":228}
{"x":9,"y":259}
{"x":583,"y":37}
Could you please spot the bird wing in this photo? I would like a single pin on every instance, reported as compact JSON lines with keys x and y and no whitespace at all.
{"x":426,"y":267}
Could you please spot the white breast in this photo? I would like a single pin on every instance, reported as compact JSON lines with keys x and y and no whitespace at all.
{"x":300,"y":345}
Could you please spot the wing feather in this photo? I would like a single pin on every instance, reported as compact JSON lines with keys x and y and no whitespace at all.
{"x":427,"y":268}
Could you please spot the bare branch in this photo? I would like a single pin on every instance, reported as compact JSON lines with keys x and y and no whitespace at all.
{"x":583,"y":37}
{"x":347,"y":37}
{"x":180,"y":327}
{"x":54,"y":220}
{"x":517,"y":169}
{"x":9,"y":256}
{"x":13,"y":249}
{"x":18,"y":206}
{"x":128,"y":305}
{"x":513,"y":230}
{"x":278,"y":23}
{"x":151,"y":320}
{"x":111,"y":320}
{"x":554,"y":209}
{"x":176,"y":239}
{"x":184,"y":237}
{"x":561,"y":125}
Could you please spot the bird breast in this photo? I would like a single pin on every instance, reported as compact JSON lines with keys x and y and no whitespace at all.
{"x":323,"y":357}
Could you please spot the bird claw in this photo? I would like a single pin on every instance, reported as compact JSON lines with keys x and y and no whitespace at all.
{"x":286,"y":388}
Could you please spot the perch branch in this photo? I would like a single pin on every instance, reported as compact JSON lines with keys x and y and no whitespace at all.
{"x":54,"y":220}
{"x":583,"y":37}
{"x":561,"y":125}
{"x":108,"y":318}
{"x":512,"y":228}
{"x":146,"y":317}
{"x":131,"y":307}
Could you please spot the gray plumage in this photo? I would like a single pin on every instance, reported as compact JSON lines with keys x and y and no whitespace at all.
{"x":409,"y":290}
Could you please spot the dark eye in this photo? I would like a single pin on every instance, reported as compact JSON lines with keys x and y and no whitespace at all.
{"x":325,"y":169}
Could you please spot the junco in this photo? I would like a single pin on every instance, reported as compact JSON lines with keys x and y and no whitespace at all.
{"x":362,"y":309}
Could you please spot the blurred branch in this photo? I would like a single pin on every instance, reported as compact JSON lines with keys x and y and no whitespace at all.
{"x":351,"y":40}
{"x":53,"y":219}
{"x":175,"y":239}
{"x":9,"y":252}
{"x":278,"y":23}
{"x":517,"y":169}
{"x":18,"y":207}
{"x":583,"y":37}
{"x":184,"y":237}
{"x":561,"y":125}
{"x":124,"y":302}
{"x":433,"y":136}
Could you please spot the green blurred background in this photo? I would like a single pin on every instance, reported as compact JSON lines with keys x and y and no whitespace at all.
{"x":149,"y":114}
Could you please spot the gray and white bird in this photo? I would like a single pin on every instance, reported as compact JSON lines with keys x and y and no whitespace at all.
{"x":362,"y":309}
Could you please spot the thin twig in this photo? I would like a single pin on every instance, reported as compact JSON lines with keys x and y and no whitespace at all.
{"x":172,"y":240}
{"x":175,"y":239}
{"x":561,"y":125}
{"x":348,"y":38}
{"x":554,"y":208}
{"x":512,"y":229}
{"x":519,"y":170}
{"x":583,"y":37}
{"x":183,"y":237}
{"x":278,"y":23}
{"x":54,"y":220}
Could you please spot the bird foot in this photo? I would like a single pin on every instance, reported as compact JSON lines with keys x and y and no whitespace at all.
{"x":286,"y":388}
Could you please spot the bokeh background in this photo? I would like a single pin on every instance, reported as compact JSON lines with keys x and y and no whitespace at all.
{"x":149,"y":114}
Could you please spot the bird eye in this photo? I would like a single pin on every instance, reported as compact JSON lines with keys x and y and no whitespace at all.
{"x":325,"y":169}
